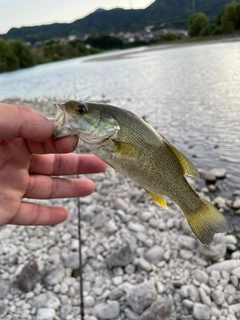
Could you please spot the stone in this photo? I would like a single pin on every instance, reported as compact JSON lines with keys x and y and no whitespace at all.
{"x":227,"y":265}
{"x":219,"y":173}
{"x":120,"y":257}
{"x":108,"y":310}
{"x":218,"y":296}
{"x":72,"y":260}
{"x":141,"y":296}
{"x":137,"y":227}
{"x":187,"y":242}
{"x":89,"y":301}
{"x":45,"y":300}
{"x":5,"y":233}
{"x":28,"y":277}
{"x":185,"y":254}
{"x":144,"y":265}
{"x":54,"y":276}
{"x":236,"y":204}
{"x":65,"y":311}
{"x":236,"y":272}
{"x":3,"y":310}
{"x":220,"y":202}
{"x":201,"y":311}
{"x":159,"y":310}
{"x":45,"y":314}
{"x":131,"y":315}
{"x":216,"y":250}
{"x":116,"y":294}
{"x":154,"y":255}
{"x":111,"y":227}
{"x":4,"y":288}
{"x":201,"y":276}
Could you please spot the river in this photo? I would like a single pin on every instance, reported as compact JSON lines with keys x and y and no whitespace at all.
{"x":191,"y":94}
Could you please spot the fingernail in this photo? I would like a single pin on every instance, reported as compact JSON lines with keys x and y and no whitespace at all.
{"x":75,"y":143}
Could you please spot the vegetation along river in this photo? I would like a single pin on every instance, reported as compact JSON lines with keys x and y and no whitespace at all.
{"x":191,"y":94}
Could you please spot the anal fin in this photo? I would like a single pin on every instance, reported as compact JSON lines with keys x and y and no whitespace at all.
{"x":158,"y":198}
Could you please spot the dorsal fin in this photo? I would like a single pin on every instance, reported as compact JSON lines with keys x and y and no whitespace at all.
{"x":188,"y":168}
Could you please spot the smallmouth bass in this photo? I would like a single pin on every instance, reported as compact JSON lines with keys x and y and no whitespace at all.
{"x":135,"y":149}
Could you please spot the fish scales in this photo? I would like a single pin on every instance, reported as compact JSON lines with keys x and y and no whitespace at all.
{"x":134,"y":148}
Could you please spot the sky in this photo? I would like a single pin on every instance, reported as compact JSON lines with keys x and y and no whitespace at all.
{"x":19,"y":13}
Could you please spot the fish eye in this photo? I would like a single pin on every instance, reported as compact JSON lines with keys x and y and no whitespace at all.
{"x":82,"y":109}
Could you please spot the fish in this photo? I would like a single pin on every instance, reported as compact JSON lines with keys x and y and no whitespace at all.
{"x":135,"y":149}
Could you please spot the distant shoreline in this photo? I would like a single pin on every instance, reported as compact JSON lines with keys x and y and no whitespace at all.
{"x":126,"y":54}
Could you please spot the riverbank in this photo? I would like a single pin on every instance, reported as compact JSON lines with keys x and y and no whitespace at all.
{"x":140,"y":261}
{"x":124,"y":54}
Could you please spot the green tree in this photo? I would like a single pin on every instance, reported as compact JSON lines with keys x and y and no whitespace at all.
{"x":198,"y":24}
{"x":230,"y":17}
{"x":22,"y":52}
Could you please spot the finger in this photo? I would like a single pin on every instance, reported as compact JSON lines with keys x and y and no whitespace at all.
{"x":19,"y":121}
{"x":44,"y":187}
{"x":35,"y":214}
{"x":66,"y":164}
{"x":51,"y":145}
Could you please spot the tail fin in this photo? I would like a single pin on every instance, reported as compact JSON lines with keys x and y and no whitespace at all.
{"x":206,"y":222}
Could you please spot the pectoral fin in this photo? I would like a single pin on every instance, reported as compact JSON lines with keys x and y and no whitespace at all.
{"x":128,"y":150}
{"x":187,"y":166}
{"x":158,"y":198}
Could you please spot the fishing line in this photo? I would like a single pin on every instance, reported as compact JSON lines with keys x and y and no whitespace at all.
{"x":80,"y":261}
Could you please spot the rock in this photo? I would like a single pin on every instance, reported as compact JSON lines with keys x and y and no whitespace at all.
{"x":187,"y":242}
{"x":120,"y":204}
{"x":120,"y":257}
{"x":137,"y":227}
{"x":144,"y":265}
{"x":208,"y":177}
{"x":116,"y":294}
{"x":218,"y":296}
{"x":89,"y":301}
{"x":220,"y":202}
{"x":109,"y":310}
{"x":216,"y":250}
{"x":54,"y":276}
{"x":185,"y":254}
{"x":5,"y":232}
{"x":28,"y":277}
{"x":236,"y":272}
{"x":219,"y":173}
{"x":4,"y":288}
{"x":141,"y":296}
{"x":45,"y":314}
{"x":72,"y":260}
{"x":236,"y":204}
{"x":227,"y":265}
{"x":131,"y":315}
{"x":201,"y":276}
{"x":34,"y":244}
{"x":201,"y":311}
{"x":45,"y":300}
{"x":159,"y":310}
{"x":111,"y":227}
{"x":154,"y":255}
{"x":3,"y":310}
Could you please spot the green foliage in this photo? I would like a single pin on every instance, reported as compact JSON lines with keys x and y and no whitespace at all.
{"x":230,"y":18}
{"x":15,"y":55}
{"x":169,"y":36}
{"x":198,"y":24}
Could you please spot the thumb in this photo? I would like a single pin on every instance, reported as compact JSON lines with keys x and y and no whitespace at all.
{"x":19,"y":121}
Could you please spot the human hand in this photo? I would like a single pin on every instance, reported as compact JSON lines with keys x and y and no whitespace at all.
{"x":28,"y":161}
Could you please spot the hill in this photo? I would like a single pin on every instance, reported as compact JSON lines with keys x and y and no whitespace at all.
{"x":171,"y":13}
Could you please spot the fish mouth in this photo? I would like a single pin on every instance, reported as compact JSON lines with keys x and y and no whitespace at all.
{"x":62,"y":122}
